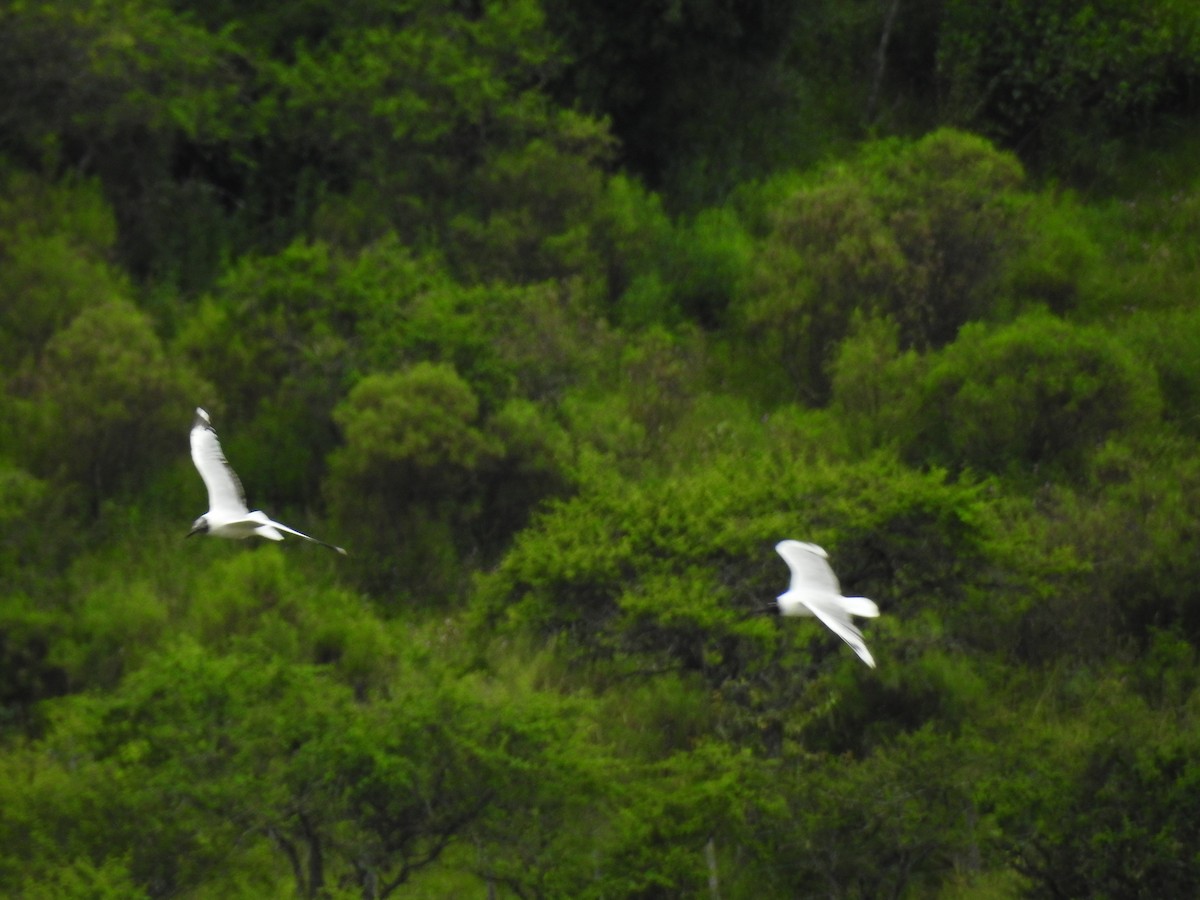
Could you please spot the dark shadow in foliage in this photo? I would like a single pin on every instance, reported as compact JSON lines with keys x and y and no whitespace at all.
{"x":28,"y":672}
{"x":1062,"y":81}
{"x":425,"y":483}
{"x":658,"y":72}
{"x":146,"y":101}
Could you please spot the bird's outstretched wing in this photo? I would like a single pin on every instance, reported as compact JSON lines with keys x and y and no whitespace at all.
{"x":308,"y":537}
{"x":809,"y":565}
{"x":836,"y":617}
{"x":225,"y":494}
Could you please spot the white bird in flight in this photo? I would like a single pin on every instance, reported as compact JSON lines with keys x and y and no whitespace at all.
{"x":228,"y":516}
{"x":815,"y":591}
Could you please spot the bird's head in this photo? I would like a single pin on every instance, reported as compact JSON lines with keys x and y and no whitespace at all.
{"x":789,"y":604}
{"x":200,"y":526}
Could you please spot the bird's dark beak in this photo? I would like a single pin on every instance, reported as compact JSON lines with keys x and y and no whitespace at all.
{"x":193,"y":531}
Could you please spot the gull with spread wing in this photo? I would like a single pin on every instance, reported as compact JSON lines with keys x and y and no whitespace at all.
{"x":815,"y":591}
{"x":228,"y":516}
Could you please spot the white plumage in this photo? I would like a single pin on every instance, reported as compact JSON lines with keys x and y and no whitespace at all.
{"x":228,"y":516}
{"x":814,"y":591}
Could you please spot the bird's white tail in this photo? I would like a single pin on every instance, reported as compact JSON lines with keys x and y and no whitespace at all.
{"x":861,"y":606}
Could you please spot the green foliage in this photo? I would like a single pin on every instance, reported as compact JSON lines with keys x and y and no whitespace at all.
{"x":453,"y":269}
{"x":1031,"y":398}
{"x":871,"y":383}
{"x":909,"y":807}
{"x":829,"y":253}
{"x":281,"y":338}
{"x":57,"y":241}
{"x":1058,"y":267}
{"x":1134,"y":523}
{"x":106,"y":401}
{"x":285,"y":337}
{"x":691,"y":803}
{"x":1167,"y":340}
{"x":950,"y":199}
{"x":536,"y":205}
{"x":918,"y":232}
{"x":402,"y":485}
{"x":670,"y":77}
{"x":1103,"y":804}
{"x":21,"y":495}
{"x":255,"y":754}
{"x":28,"y":641}
{"x":1057,"y":78}
{"x":717,"y":254}
{"x":413,"y":421}
{"x":423,"y":479}
{"x":124,"y":90}
{"x":429,"y":99}
{"x":669,"y":571}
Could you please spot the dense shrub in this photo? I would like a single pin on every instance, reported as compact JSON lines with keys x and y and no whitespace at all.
{"x":1031,"y":399}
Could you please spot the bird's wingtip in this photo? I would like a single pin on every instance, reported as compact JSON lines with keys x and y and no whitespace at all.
{"x":801,"y":545}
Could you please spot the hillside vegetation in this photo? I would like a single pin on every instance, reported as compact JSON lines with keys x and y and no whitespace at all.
{"x":558,"y":315}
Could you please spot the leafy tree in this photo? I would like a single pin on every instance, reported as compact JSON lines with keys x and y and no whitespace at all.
{"x":535,"y":206}
{"x":58,"y":240}
{"x":950,"y":199}
{"x":871,"y":383}
{"x":130,"y":92}
{"x":53,"y":845}
{"x":907,"y":808}
{"x":830,"y":252}
{"x":285,"y":337}
{"x":412,"y":476}
{"x":1033,"y":398}
{"x":107,"y":402}
{"x":1052,"y":79}
{"x":919,"y":232}
{"x":442,"y":106}
{"x":354,"y":121}
{"x":1165,"y":338}
{"x":665,"y":574}
{"x":382,"y":418}
{"x":685,"y":810}
{"x":282,"y":337}
{"x":1091,"y":807}
{"x":711,"y":262}
{"x":537,"y":341}
{"x":21,"y":497}
{"x":347,"y":796}
{"x":1132,"y":521}
{"x":660,"y":71}
{"x":1059,"y":267}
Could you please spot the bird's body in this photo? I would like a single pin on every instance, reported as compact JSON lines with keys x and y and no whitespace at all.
{"x":228,"y":516}
{"x":814,"y":591}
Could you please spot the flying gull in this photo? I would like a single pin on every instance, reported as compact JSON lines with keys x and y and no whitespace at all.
{"x":815,"y":591}
{"x":228,"y":516}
